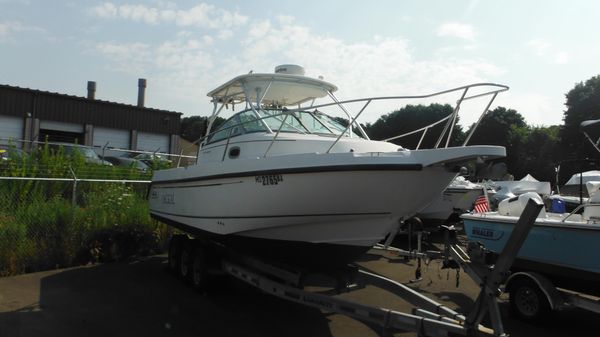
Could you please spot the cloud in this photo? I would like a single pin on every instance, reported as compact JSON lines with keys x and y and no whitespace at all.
{"x":129,"y":58}
{"x":456,"y":29}
{"x":202,"y":15}
{"x":539,"y":46}
{"x":544,"y":49}
{"x":537,"y":109}
{"x":22,"y":2}
{"x":105,"y":10}
{"x":191,"y":63}
{"x":561,"y":57}
{"x":9,"y":28}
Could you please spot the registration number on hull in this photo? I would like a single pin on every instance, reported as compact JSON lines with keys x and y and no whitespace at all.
{"x":269,"y":179}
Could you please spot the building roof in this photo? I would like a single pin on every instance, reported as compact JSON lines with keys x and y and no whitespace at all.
{"x":45,"y":105}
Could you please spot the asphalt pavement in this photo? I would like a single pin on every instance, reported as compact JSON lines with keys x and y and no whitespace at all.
{"x":141,"y":298}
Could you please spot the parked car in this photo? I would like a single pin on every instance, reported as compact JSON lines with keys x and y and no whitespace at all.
{"x":11,"y":153}
{"x":90,"y":156}
{"x":128,"y":162}
{"x":153,"y":160}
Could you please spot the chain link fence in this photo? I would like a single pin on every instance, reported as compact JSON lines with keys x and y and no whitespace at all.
{"x":59,"y":212}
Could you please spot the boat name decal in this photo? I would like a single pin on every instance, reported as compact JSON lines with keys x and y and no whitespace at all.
{"x":269,"y":179}
{"x":168,"y":198}
{"x":153,"y":194}
{"x":486,"y":233}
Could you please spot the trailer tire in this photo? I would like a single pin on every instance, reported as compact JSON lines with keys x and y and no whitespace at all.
{"x":175,"y":246}
{"x":185,"y":260}
{"x":199,"y":269}
{"x":527,"y":301}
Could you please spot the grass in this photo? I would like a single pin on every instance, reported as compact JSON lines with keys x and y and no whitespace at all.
{"x":42,"y":228}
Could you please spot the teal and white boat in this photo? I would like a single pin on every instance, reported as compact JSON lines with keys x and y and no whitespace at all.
{"x":562,"y":247}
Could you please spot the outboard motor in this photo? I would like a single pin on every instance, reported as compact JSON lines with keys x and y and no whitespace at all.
{"x":591,"y":212}
{"x":514,"y":206}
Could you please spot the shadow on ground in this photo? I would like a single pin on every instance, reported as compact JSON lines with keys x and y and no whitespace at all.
{"x":142,"y":299}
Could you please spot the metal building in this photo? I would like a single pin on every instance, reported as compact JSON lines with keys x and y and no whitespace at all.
{"x":34,"y":115}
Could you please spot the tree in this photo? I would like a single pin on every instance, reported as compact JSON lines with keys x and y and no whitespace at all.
{"x":194,"y":127}
{"x":412,"y":117}
{"x":497,"y":127}
{"x":583,"y":103}
{"x":537,"y":155}
{"x":503,"y":127}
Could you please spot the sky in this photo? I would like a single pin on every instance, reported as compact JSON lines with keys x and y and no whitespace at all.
{"x":540,"y":49}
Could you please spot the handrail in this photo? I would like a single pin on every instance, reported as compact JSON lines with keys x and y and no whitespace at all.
{"x":418,"y":130}
{"x":580,"y":206}
{"x":449,"y":128}
{"x":500,"y":88}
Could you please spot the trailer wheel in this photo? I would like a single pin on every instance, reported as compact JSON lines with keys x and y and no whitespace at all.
{"x":199,"y":269}
{"x":527,"y":301}
{"x":185,"y":260}
{"x":175,"y":246}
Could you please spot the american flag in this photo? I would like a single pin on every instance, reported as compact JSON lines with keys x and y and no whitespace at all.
{"x":481,"y":205}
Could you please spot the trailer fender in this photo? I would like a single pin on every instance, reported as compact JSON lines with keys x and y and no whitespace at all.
{"x":548,"y":289}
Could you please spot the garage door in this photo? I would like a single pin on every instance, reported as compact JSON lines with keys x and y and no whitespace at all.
{"x":153,"y":141}
{"x":10,"y":128}
{"x":116,"y":139}
{"x":61,"y":126}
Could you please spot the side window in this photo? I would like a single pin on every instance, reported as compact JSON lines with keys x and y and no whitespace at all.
{"x":243,"y":122}
{"x":251,"y":122}
{"x":312,"y":123}
{"x":225,"y":128}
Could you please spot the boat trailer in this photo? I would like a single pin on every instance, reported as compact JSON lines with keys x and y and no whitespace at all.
{"x":191,"y":259}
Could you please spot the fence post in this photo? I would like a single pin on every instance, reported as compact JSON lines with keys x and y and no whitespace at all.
{"x":74,"y":193}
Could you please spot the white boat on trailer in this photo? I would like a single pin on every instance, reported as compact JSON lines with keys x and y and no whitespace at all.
{"x":282,"y":180}
{"x":456,"y":199}
{"x":198,"y":260}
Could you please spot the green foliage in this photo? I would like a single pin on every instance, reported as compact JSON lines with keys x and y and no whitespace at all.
{"x":498,"y":127}
{"x":583,"y":103}
{"x":535,"y":153}
{"x":530,"y":150}
{"x":194,"y":127}
{"x":42,"y":234}
{"x":412,"y":117}
{"x":42,"y":228}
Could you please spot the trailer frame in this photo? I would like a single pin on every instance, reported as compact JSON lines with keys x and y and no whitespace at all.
{"x":428,"y":318}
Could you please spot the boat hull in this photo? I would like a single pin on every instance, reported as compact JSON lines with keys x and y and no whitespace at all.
{"x":565,"y":252}
{"x":450,"y":201}
{"x":315,"y":256}
{"x":348,"y":211}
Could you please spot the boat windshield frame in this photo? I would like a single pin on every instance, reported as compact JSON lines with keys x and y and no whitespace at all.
{"x":255,"y":104}
{"x":273,"y":120}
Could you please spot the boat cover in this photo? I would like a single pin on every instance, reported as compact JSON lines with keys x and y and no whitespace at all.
{"x":593,"y":175}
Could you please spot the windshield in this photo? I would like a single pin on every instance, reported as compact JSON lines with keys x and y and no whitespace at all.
{"x":88,"y":153}
{"x":85,"y":151}
{"x":314,"y":122}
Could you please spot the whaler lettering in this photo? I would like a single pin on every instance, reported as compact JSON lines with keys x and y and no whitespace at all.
{"x":483,"y":232}
{"x":168,"y":199}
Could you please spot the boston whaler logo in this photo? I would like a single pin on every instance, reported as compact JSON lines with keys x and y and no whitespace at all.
{"x":486,"y":233}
